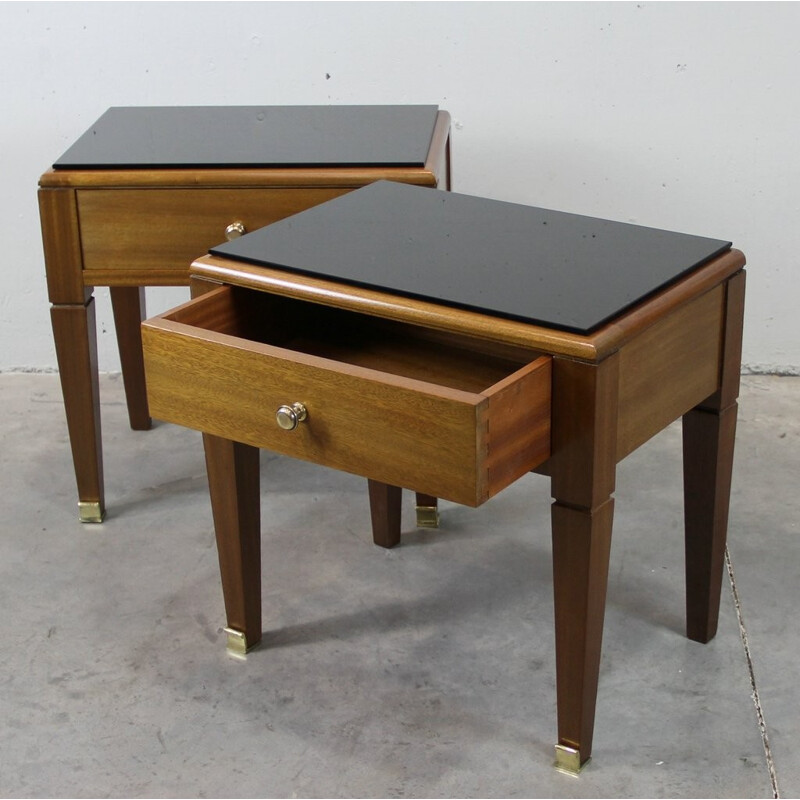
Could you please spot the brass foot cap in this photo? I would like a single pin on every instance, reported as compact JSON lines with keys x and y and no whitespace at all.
{"x":427,"y":517}
{"x":568,"y":760}
{"x":236,"y":643}
{"x":90,"y":511}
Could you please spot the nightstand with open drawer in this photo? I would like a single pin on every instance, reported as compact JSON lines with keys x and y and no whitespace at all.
{"x":450,"y":344}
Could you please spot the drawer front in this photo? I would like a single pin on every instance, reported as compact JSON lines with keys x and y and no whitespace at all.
{"x":457,"y":444}
{"x":419,"y":436}
{"x":140,"y":230}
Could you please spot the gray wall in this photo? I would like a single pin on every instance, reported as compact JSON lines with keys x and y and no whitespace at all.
{"x":675,"y":115}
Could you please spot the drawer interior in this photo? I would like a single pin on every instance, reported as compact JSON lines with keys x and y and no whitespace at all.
{"x":452,"y":360}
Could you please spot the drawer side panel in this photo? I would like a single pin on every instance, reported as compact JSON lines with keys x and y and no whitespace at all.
{"x":519,"y":424}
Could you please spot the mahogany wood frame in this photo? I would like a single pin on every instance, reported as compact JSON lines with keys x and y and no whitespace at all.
{"x":609,"y":396}
{"x":86,"y":214}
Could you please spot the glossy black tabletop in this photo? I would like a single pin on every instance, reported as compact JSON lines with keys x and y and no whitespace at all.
{"x":546,"y":267}
{"x":254,"y":136}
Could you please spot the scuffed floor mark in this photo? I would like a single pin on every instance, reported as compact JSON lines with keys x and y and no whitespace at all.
{"x":773,"y":777}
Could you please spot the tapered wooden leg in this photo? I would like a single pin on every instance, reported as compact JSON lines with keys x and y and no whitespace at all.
{"x":233,"y":479}
{"x":427,"y":511}
{"x":581,"y":547}
{"x":128,"y":303}
{"x":75,"y":336}
{"x":708,"y":440}
{"x":583,"y":470}
{"x":709,"y":432}
{"x":385,"y":505}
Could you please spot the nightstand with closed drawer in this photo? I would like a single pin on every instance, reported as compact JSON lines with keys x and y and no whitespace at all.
{"x":146,"y":190}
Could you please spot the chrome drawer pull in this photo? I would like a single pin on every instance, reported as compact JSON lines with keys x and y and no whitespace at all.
{"x":289,"y":417}
{"x":235,"y":230}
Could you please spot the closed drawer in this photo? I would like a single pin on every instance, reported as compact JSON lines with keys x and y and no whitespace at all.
{"x":437,"y":413}
{"x":165,"y":229}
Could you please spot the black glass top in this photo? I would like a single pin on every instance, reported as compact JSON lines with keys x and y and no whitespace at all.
{"x":547,"y":267}
{"x":255,"y":136}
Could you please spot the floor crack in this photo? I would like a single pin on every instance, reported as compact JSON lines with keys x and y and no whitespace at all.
{"x":751,"y":672}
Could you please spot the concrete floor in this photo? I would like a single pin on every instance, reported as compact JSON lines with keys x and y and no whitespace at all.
{"x":426,"y":671}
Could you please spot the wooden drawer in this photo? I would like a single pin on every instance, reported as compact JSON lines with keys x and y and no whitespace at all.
{"x":165,"y":229}
{"x":437,"y":413}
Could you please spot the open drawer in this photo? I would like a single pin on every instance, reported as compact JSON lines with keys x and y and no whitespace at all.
{"x":434,"y":412}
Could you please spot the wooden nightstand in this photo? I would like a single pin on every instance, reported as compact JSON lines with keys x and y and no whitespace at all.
{"x":450,"y":344}
{"x":146,"y":190}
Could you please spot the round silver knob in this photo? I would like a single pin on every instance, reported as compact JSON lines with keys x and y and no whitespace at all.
{"x":289,"y":417}
{"x":235,"y":230}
